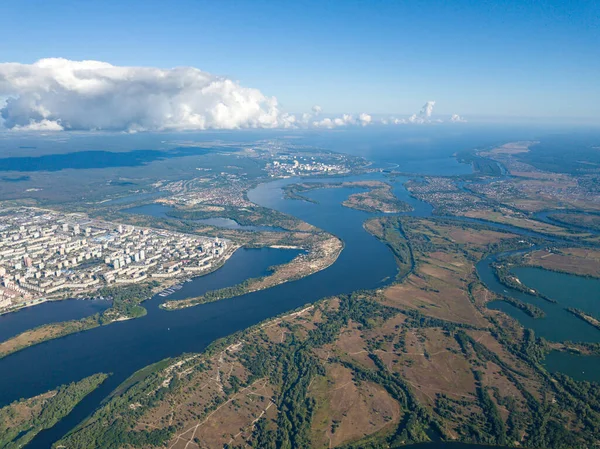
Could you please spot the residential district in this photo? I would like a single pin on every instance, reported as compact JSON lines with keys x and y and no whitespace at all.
{"x":46,"y":254}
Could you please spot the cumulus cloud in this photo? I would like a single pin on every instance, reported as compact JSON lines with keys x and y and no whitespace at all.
{"x":397,"y":121}
{"x":58,"y":94}
{"x":54,"y":94}
{"x":307,"y":117}
{"x":424,"y":115}
{"x":363,"y":119}
{"x":43,"y":125}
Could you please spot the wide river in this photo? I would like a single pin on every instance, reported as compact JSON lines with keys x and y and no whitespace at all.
{"x":124,"y":347}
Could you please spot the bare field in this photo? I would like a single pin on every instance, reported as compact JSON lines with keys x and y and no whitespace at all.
{"x":348,"y":410}
{"x":479,"y":237}
{"x":521,"y":222}
{"x":439,"y":284}
{"x":438,"y":289}
{"x":581,"y":261}
{"x":432,"y":364}
{"x":512,"y":148}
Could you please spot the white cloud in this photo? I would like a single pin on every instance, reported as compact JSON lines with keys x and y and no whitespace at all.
{"x":424,"y":115}
{"x":308,"y":116}
{"x":325,"y":123}
{"x":58,"y":94}
{"x":363,"y":119}
{"x":43,"y":125}
{"x":92,"y":95}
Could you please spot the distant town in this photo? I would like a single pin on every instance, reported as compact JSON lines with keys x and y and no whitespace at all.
{"x":46,"y":254}
{"x":302,"y":166}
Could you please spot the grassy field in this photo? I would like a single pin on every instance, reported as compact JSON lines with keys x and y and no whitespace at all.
{"x":581,"y":261}
{"x":525,"y":223}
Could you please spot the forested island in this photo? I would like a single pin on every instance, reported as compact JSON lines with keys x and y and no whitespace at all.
{"x":21,"y":421}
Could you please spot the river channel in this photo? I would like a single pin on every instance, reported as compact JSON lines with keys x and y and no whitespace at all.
{"x":124,"y":347}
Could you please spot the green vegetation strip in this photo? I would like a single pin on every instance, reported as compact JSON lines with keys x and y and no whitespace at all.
{"x":22,"y":420}
{"x":126,"y":302}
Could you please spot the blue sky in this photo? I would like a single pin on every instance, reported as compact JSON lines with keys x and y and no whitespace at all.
{"x":501,"y":58}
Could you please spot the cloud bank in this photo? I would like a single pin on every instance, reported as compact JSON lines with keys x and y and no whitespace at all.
{"x":58,"y":94}
{"x":54,"y":94}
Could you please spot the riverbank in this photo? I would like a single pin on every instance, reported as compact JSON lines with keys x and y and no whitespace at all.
{"x":319,"y":256}
{"x":21,"y":421}
{"x":592,"y":321}
{"x":125,"y":307}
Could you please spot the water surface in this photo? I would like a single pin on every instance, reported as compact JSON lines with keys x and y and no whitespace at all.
{"x":558,"y":324}
{"x":14,"y":323}
{"x":579,"y":367}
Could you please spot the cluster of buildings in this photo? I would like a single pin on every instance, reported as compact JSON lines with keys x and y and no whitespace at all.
{"x":502,"y":191}
{"x":445,"y":196}
{"x":302,"y":166}
{"x":432,"y":184}
{"x":224,"y":189}
{"x":46,"y":254}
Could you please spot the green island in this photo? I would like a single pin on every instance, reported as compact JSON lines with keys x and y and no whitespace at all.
{"x":502,"y":271}
{"x":590,"y":221}
{"x":585,"y":317}
{"x":378,"y":198}
{"x":22,"y":420}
